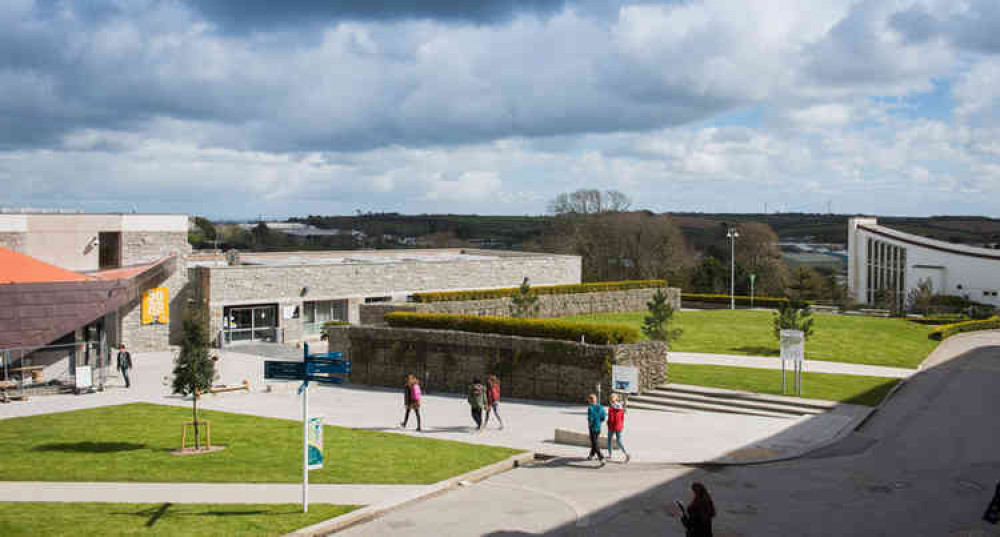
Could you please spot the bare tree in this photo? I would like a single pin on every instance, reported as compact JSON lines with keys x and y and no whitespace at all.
{"x":589,"y":201}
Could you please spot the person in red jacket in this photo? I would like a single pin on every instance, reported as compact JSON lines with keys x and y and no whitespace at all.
{"x":616,"y":423}
{"x":493,"y":399}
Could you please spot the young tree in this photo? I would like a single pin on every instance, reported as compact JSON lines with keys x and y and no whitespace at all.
{"x":918,"y":300}
{"x":656,"y":325}
{"x":793,"y":315}
{"x":193,"y":369}
{"x":525,"y":302}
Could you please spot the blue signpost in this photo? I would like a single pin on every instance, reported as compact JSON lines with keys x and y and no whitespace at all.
{"x":319,"y":367}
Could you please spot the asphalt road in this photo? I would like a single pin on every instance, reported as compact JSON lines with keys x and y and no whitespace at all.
{"x":927,"y":464}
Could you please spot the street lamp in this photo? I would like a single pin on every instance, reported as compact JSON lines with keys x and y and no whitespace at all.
{"x":732,"y":234}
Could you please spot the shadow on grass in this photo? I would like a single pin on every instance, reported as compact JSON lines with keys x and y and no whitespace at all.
{"x":757,"y":350}
{"x":158,"y":512}
{"x":90,"y":447}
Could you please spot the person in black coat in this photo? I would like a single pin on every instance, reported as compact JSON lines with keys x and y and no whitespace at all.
{"x":124,"y":364}
{"x":698,"y":516}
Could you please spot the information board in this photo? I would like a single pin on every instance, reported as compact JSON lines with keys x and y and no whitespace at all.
{"x":625,"y":379}
{"x":793,"y":345}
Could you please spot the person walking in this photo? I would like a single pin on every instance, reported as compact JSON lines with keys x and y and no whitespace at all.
{"x":477,"y":402}
{"x":697,"y":518}
{"x":493,"y":399}
{"x":595,"y":417}
{"x":411,"y":400}
{"x":616,"y":423}
{"x":124,"y":364}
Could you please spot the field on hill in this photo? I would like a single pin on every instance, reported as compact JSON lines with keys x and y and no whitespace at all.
{"x":838,"y":338}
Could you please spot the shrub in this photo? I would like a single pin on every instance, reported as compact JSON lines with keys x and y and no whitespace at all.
{"x":762,"y":301}
{"x":945,"y":331}
{"x":935,"y":320}
{"x":596,"y":333}
{"x":330,"y":324}
{"x":507,"y":292}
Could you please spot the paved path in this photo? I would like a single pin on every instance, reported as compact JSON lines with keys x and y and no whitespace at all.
{"x":206,"y":492}
{"x":925,"y":465}
{"x":773,"y":362}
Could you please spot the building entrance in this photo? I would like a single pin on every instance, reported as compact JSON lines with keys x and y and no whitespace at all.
{"x":250,"y":323}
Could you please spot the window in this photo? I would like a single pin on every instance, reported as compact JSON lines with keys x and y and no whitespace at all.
{"x":315,"y":314}
{"x":109,"y":250}
{"x":376,"y":299}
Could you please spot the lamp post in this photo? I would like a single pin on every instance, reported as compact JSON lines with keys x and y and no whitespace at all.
{"x":732,"y":234}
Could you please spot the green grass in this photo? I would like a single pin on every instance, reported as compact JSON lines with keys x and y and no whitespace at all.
{"x":837,"y":338}
{"x":133,"y":443}
{"x":852,"y":389}
{"x":167,"y":519}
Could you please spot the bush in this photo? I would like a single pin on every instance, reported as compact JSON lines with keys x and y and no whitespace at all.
{"x":935,"y":320}
{"x":762,"y":301}
{"x":945,"y":331}
{"x":507,"y":292}
{"x":595,"y":333}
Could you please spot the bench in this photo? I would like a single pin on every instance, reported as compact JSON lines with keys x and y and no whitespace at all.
{"x":34,"y":370}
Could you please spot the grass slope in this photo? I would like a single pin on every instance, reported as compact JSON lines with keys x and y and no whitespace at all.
{"x":161,"y":520}
{"x":837,"y":338}
{"x":133,"y":443}
{"x":852,"y":389}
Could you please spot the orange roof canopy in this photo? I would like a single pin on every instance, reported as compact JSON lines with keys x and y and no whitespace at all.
{"x":20,"y":268}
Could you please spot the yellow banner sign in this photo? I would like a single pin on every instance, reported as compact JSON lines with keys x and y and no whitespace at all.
{"x":156,"y":306}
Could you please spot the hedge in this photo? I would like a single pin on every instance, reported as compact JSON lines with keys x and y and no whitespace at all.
{"x":945,"y":331}
{"x":596,"y":333}
{"x":762,"y":301}
{"x":485,"y":294}
{"x":937,"y":320}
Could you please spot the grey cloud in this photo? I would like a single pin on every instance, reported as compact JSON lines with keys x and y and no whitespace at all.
{"x":974,"y":28}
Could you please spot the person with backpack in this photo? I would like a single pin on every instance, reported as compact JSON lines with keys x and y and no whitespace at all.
{"x":493,"y":400}
{"x":477,"y":402}
{"x":595,"y":417}
{"x":616,"y":423}
{"x":411,"y":400}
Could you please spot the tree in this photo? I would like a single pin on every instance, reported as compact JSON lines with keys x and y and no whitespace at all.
{"x":590,"y":201}
{"x":806,"y":284}
{"x":710,"y":276}
{"x":656,"y":325}
{"x":525,"y":302}
{"x":793,"y":315}
{"x":918,"y":300}
{"x":193,"y":369}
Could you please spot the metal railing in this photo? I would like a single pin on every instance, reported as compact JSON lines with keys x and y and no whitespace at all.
{"x":54,"y":365}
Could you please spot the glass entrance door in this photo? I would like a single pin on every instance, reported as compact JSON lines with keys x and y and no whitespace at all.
{"x":251,"y":323}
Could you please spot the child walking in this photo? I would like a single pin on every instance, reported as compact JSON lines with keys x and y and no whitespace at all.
{"x":477,"y":402}
{"x":616,"y":423}
{"x":493,"y":399}
{"x":411,"y":400}
{"x":595,"y":417}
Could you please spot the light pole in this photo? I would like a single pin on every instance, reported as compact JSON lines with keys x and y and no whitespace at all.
{"x":732,"y":234}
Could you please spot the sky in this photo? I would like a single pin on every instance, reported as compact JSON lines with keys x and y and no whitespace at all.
{"x":240,"y":108}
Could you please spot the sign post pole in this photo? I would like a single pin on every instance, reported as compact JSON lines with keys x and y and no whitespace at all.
{"x":305,"y":446}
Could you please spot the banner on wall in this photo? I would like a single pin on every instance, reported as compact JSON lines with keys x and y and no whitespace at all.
{"x":156,"y":306}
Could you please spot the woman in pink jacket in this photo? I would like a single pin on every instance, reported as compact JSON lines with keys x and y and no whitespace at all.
{"x":411,"y":400}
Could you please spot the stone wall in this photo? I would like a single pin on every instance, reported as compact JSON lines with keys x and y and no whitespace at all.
{"x":548,"y":305}
{"x":12,"y":241}
{"x":529,"y":368}
{"x":148,"y":247}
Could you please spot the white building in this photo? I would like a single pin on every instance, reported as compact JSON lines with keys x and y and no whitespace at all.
{"x":883,"y":259}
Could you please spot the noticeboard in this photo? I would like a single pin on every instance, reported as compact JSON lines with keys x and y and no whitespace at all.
{"x":625,"y":379}
{"x":793,"y":345}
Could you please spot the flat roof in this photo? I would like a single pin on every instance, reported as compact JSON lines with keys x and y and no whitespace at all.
{"x":357,"y":257}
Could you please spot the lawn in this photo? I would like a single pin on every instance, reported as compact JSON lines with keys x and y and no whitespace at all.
{"x":852,"y":389}
{"x":133,"y":443}
{"x":837,"y":338}
{"x":167,"y":519}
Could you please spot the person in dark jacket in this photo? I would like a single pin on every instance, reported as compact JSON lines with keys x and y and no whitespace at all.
{"x":595,"y":417}
{"x":411,"y":400}
{"x":477,"y":402}
{"x":493,"y":400}
{"x":124,"y":364}
{"x":697,"y":519}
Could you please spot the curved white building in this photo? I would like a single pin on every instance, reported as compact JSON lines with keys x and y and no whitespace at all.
{"x":880,"y":258}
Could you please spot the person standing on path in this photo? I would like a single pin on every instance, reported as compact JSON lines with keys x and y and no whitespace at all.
{"x":616,"y":423}
{"x":698,"y":517}
{"x":595,"y":417}
{"x":493,"y":399}
{"x":411,"y":400}
{"x":477,"y":402}
{"x":124,"y":364}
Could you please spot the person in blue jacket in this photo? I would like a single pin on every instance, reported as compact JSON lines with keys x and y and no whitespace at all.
{"x":595,"y":417}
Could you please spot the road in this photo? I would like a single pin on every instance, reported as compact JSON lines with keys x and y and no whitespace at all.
{"x":926,"y":464}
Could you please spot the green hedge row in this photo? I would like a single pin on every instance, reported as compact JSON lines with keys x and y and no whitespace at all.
{"x":758,"y":301}
{"x":945,"y":331}
{"x":595,"y":333}
{"x":484,"y":294}
{"x":937,"y":320}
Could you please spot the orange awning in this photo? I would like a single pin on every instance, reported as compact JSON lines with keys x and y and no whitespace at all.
{"x":20,"y":268}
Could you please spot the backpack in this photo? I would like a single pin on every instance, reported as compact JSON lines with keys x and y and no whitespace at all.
{"x":476,"y":395}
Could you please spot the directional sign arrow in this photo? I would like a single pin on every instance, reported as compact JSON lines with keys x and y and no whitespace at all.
{"x":325,"y":356}
{"x":327,"y":367}
{"x":327,"y":380}
{"x":284,"y":370}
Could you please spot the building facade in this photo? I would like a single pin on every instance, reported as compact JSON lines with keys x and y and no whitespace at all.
{"x":886,"y":264}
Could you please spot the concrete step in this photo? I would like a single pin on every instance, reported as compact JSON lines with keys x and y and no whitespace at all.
{"x":673,"y":405}
{"x":738,"y":402}
{"x":734,"y":394}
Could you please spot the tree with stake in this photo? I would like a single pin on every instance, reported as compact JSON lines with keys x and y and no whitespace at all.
{"x":793,"y":315}
{"x":193,"y":369}
{"x":656,"y":325}
{"x":525,"y":302}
